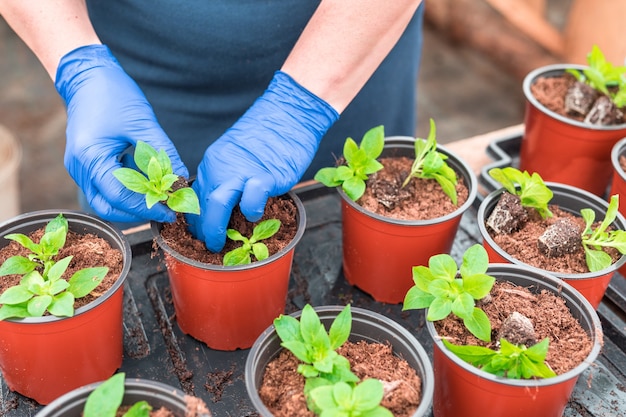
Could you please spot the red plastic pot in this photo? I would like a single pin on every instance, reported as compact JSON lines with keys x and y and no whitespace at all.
{"x":464,"y":390}
{"x":379,"y":252}
{"x":592,"y":285}
{"x":618,"y":183}
{"x":45,"y":357}
{"x":564,"y":150}
{"x":228,"y":307}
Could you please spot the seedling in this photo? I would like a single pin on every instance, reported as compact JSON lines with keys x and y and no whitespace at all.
{"x":342,"y":399}
{"x":252,"y":245}
{"x":361,"y":162}
{"x":42,"y":287}
{"x":106,"y":399}
{"x":511,"y":361}
{"x":593,"y":240}
{"x":602,"y":75}
{"x":430,"y":164}
{"x":439,"y":288}
{"x":157,"y":183}
{"x":531,"y":189}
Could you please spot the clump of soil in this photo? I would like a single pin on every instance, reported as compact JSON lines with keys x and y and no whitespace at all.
{"x":420,"y":199}
{"x":87,"y":250}
{"x":179,"y":238}
{"x":282,"y":387}
{"x":548,"y":313}
{"x":195,"y":407}
{"x":570,"y":98}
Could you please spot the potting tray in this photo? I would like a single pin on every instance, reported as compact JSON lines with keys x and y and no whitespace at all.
{"x":156,"y":349}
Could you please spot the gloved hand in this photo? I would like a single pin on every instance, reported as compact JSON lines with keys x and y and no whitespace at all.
{"x":264,"y":154}
{"x":106,"y":114}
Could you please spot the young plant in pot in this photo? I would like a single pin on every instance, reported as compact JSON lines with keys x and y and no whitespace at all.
{"x":497,"y":351}
{"x":225,"y":299}
{"x":126,"y":397}
{"x":338,"y":361}
{"x":553,"y":227}
{"x":402,"y":200}
{"x":618,"y":182}
{"x":62,"y":289}
{"x":574,"y":115}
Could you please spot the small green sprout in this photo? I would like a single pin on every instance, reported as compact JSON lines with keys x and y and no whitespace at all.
{"x":430,"y":164}
{"x":106,"y":399}
{"x":42,"y":287}
{"x":438,"y":288}
{"x":533,"y":192}
{"x":511,"y":361}
{"x":158,"y":180}
{"x":251,"y":246}
{"x":593,"y":240}
{"x":360,"y":163}
{"x":343,"y":399}
{"x":602,"y":75}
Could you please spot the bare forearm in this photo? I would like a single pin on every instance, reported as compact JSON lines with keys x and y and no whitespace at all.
{"x":343,"y":44}
{"x":50,"y":28}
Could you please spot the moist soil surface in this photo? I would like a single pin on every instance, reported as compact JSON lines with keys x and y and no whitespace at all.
{"x":87,"y":250}
{"x":569,"y":343}
{"x":420,"y":199}
{"x":282,"y":387}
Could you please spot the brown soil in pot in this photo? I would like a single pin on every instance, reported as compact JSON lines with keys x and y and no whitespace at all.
{"x":420,"y":199}
{"x":178,"y":237}
{"x":195,"y":408}
{"x":282,"y":387}
{"x":88,"y":250}
{"x":569,"y":343}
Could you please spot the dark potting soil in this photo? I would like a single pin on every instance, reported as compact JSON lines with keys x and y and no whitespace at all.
{"x":87,"y":250}
{"x":178,"y":237}
{"x":420,"y":199}
{"x":282,"y":387}
{"x":550,"y":317}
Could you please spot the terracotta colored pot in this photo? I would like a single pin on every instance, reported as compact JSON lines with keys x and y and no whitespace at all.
{"x":155,"y":393}
{"x":366,"y":325}
{"x":571,"y":199}
{"x":228,"y":307}
{"x":45,"y":357}
{"x":380,"y":252}
{"x":618,"y":183}
{"x":564,"y":150}
{"x":464,"y":390}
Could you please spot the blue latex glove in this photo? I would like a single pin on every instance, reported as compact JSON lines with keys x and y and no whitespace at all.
{"x":264,"y":154}
{"x":106,"y":114}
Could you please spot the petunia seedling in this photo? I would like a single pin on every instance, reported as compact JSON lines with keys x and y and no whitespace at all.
{"x":42,"y":286}
{"x":594,"y":239}
{"x":106,"y":399}
{"x":156,"y":180}
{"x":531,"y":189}
{"x":431,"y":164}
{"x":361,"y":162}
{"x":253,"y":245}
{"x":444,"y":289}
{"x":343,"y":399}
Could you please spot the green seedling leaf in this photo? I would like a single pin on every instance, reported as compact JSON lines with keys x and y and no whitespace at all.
{"x":107,"y":398}
{"x":595,"y":239}
{"x":184,"y":200}
{"x":531,"y":189}
{"x":438,"y":288}
{"x":17,"y":265}
{"x":341,"y":399}
{"x":251,"y":246}
{"x":86,"y":280}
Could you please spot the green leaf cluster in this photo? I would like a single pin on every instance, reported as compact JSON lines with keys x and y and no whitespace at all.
{"x":157,"y":182}
{"x":511,"y":361}
{"x":439,"y":288}
{"x":42,"y":287}
{"x":330,"y":387}
{"x":252,"y":245}
{"x":106,"y":399}
{"x":531,"y":189}
{"x":594,"y":239}
{"x":360,"y":163}
{"x":430,"y":164}
{"x":602,"y":75}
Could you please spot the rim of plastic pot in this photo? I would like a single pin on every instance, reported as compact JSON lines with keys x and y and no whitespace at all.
{"x":579,"y":306}
{"x":79,"y":222}
{"x":404,"y":146}
{"x":560,"y":192}
{"x":381,"y":329}
{"x":618,"y":149}
{"x":552,"y":71}
{"x":301,"y":213}
{"x":156,"y":393}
